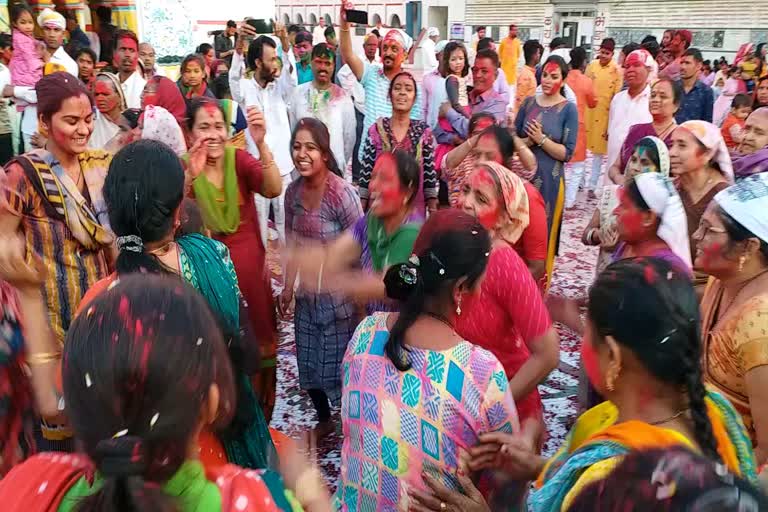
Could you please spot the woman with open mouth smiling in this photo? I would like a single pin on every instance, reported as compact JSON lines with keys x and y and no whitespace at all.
{"x":224,"y":181}
{"x":399,"y":131}
{"x":319,"y":206}
{"x":52,"y":198}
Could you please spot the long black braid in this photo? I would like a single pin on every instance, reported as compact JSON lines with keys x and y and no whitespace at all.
{"x":650,"y":307}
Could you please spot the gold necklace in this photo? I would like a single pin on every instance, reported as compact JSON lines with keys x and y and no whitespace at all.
{"x":666,"y":129}
{"x":163,"y":249}
{"x":671,"y":418}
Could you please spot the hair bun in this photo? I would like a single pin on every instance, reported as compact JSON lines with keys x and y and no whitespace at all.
{"x":121,"y":457}
{"x":402,"y":279}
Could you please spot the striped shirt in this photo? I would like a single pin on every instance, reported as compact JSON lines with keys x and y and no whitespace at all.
{"x":71,"y":268}
{"x":377,"y":104}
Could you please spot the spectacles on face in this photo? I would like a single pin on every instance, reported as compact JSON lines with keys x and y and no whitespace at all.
{"x":706,"y":229}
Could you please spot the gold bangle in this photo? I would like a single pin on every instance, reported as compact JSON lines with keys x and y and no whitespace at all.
{"x":309,"y":486}
{"x":43,"y":358}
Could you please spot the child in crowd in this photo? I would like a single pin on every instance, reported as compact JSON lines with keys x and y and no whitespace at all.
{"x":733,"y":125}
{"x":28,"y":61}
{"x":194,"y":80}
{"x":456,"y":68}
{"x":733,"y":85}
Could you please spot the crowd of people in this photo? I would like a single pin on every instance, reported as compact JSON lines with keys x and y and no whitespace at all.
{"x":417,"y":221}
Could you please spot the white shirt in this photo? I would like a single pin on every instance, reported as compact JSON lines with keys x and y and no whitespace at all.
{"x":5,"y":117}
{"x":338,"y":115}
{"x":624,"y":113}
{"x":133,"y":88}
{"x":62,"y":58}
{"x":350,"y":83}
{"x":318,"y":35}
{"x":273,"y":101}
{"x":435,"y":94}
{"x":428,"y":57}
{"x":104,"y":130}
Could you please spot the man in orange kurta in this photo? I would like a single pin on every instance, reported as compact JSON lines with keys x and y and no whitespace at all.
{"x":526,"y":80}
{"x":509,"y":54}
{"x":583,"y":88}
{"x":606,"y":77}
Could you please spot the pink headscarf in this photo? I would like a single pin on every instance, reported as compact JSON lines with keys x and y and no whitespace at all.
{"x":160,"y":125}
{"x":709,"y":135}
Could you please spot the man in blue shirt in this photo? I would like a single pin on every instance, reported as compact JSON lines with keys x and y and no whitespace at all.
{"x":302,"y":50}
{"x":698,"y":98}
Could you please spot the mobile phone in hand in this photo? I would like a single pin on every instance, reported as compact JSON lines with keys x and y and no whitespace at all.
{"x":357,"y":17}
{"x":261,"y":26}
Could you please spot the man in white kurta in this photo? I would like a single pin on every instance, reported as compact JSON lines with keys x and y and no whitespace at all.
{"x":428,"y":44}
{"x":630,"y":106}
{"x":328,"y":103}
{"x":270,"y":93}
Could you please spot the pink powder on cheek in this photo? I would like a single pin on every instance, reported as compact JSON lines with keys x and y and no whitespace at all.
{"x":711,"y":253}
{"x":487,"y":214}
{"x":388,"y":185}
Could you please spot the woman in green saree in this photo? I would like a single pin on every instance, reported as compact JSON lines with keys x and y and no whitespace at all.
{"x":143,"y":191}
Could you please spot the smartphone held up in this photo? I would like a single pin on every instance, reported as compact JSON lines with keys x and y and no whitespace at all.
{"x":356,"y":17}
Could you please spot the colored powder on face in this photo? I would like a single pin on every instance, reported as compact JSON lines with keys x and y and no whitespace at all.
{"x":629,"y":216}
{"x":551,"y":67}
{"x":710,"y":253}
{"x":211,"y":109}
{"x":637,"y":58}
{"x":388,"y":185}
{"x":488,"y":213}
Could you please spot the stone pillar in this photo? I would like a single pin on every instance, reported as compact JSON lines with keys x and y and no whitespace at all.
{"x":548,"y":27}
{"x":601,"y":25}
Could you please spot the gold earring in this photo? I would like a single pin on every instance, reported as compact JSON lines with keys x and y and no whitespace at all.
{"x":742,"y":260}
{"x":458,"y":306}
{"x":610,"y":378}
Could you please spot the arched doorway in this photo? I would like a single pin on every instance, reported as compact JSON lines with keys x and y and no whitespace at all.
{"x":312,"y":19}
{"x":395,"y":23}
{"x":376,"y":20}
{"x":286,"y":19}
{"x":299,"y":19}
